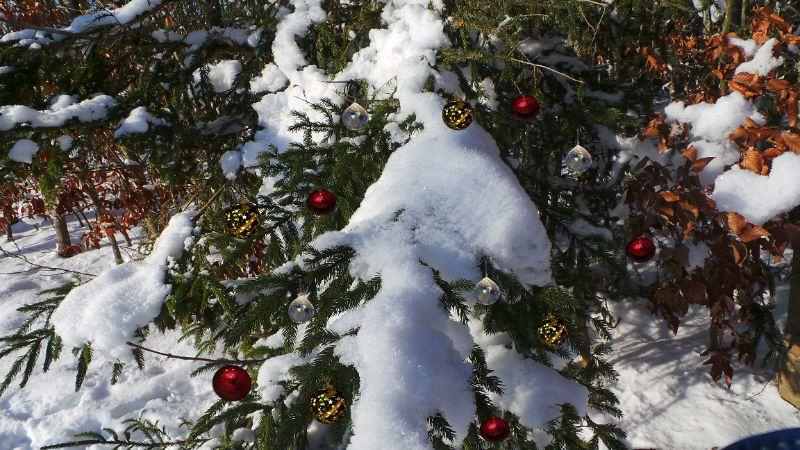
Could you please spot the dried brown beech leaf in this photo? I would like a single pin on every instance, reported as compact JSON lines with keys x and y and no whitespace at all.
{"x":739,"y":252}
{"x":690,"y":153}
{"x":690,"y":209}
{"x":667,"y":213}
{"x":771,"y":153}
{"x":791,"y":107}
{"x":775,"y":85}
{"x":753,"y":233}
{"x":748,"y":91}
{"x":695,"y":292}
{"x":752,"y":161}
{"x":701,"y":164}
{"x":747,"y":78}
{"x":669,"y":196}
{"x":750,"y":123}
{"x":791,"y":140}
{"x":737,"y":223}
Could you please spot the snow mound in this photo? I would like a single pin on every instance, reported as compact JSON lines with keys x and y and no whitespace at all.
{"x":759,"y":198}
{"x":763,"y":62}
{"x":137,"y":122}
{"x":222,"y":74}
{"x":123,"y":298}
{"x":714,"y":121}
{"x":23,"y":151}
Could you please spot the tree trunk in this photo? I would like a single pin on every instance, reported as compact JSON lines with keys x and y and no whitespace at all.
{"x":100,"y":213}
{"x":62,"y":234}
{"x":127,"y":238}
{"x":75,"y":213}
{"x":9,"y":236}
{"x":789,"y":379}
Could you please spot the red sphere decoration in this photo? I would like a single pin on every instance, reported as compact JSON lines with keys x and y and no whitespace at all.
{"x":321,"y":201}
{"x":494,"y":429}
{"x":640,"y":249}
{"x":231,"y":383}
{"x":525,"y":107}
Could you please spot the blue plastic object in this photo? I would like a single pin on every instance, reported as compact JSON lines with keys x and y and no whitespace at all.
{"x":788,"y":439}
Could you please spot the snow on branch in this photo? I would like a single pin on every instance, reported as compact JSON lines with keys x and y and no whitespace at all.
{"x":138,"y":121}
{"x":91,"y":109}
{"x":87,"y":22}
{"x":123,"y":298}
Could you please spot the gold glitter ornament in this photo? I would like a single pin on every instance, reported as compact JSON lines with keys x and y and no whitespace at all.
{"x":457,"y":114}
{"x":553,"y":332}
{"x":242,"y":220}
{"x":328,"y":405}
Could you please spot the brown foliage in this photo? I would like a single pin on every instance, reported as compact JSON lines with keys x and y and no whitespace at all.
{"x":678,"y":208}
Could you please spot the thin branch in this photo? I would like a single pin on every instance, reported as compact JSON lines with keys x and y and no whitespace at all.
{"x":15,"y":23}
{"x":203,"y":208}
{"x":196,"y":358}
{"x":6,"y":253}
{"x":541,"y":66}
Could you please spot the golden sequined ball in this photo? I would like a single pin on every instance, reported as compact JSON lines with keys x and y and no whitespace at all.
{"x":553,"y":331}
{"x":328,"y":405}
{"x":241,"y":220}
{"x":457,"y":114}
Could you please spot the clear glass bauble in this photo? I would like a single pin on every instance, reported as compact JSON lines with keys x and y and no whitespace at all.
{"x":301,"y":310}
{"x":355,"y":117}
{"x":578,"y":160}
{"x":486,"y":291}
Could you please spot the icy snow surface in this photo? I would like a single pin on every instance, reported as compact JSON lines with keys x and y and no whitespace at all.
{"x":23,"y":151}
{"x":122,"y":298}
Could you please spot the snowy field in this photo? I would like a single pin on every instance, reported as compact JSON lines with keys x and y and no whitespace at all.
{"x":666,"y":394}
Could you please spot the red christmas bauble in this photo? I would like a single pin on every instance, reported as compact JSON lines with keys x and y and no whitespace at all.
{"x":525,"y":107}
{"x":640,"y":249}
{"x":231,"y":383}
{"x":494,"y":429}
{"x":321,"y":201}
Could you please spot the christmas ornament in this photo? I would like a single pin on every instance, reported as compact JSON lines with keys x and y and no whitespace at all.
{"x":525,"y":107}
{"x":578,"y":159}
{"x":328,"y":405}
{"x":241,"y":220}
{"x":355,"y":117}
{"x":301,"y":310}
{"x":494,"y":429}
{"x":457,"y":114}
{"x":321,"y":201}
{"x":486,"y":291}
{"x":640,"y":249}
{"x":231,"y":383}
{"x":553,"y":332}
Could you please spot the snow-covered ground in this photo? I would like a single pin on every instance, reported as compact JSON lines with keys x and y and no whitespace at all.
{"x":666,"y":394}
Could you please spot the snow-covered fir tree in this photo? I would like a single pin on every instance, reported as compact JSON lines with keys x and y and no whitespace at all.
{"x":489,"y":162}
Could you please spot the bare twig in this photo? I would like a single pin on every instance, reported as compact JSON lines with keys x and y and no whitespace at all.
{"x":541,"y":66}
{"x":203,"y":208}
{"x":6,"y":253}
{"x":194,"y":358}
